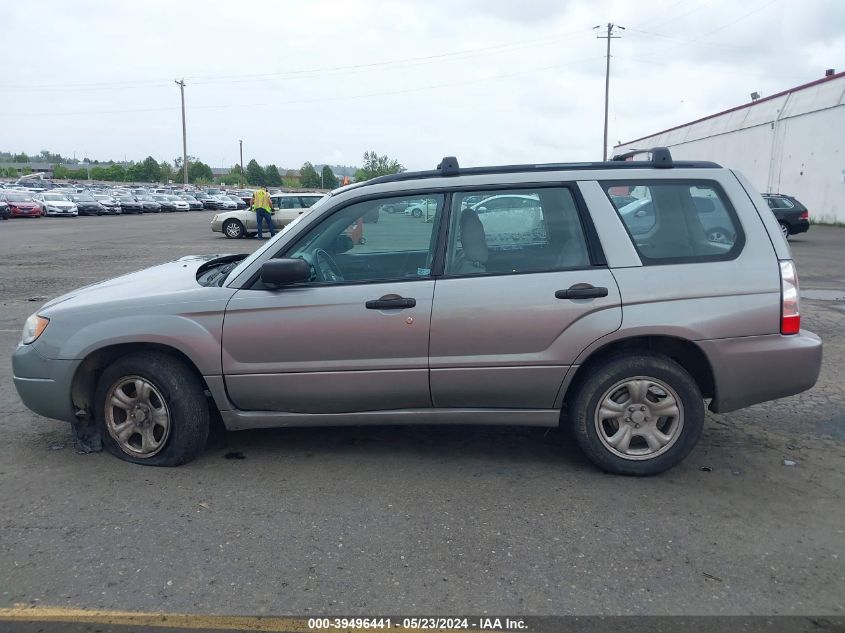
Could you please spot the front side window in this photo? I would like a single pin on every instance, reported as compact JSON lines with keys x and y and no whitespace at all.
{"x":677,"y":221}
{"x":345,"y":248}
{"x":513,"y":231}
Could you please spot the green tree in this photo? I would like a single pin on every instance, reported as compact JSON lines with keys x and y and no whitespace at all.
{"x":272,"y":177}
{"x":199,"y":172}
{"x":150,"y":170}
{"x":254,"y":174}
{"x":61,"y":172}
{"x":9,"y":172}
{"x":375,"y":165}
{"x":330,"y":181}
{"x":308,"y":177}
{"x":21,"y":158}
{"x":166,"y":172}
{"x":26,"y":170}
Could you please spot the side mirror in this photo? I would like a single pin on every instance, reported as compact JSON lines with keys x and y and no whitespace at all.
{"x":285,"y":271}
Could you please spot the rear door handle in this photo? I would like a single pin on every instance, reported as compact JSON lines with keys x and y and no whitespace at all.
{"x":395,"y":303}
{"x":582,"y":291}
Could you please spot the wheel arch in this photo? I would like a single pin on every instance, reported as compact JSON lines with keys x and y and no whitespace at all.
{"x":91,"y":368}
{"x":683,"y":351}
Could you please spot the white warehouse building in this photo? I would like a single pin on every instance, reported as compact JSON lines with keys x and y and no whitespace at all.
{"x":792,"y":143}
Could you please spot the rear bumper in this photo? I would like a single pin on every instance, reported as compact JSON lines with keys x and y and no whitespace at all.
{"x":801,"y":226}
{"x":43,"y":384}
{"x":753,"y":369}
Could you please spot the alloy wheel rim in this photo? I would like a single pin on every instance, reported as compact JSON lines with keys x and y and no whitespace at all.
{"x":137,"y":417}
{"x":639,"y":418}
{"x":233,"y":230}
{"x":785,"y":230}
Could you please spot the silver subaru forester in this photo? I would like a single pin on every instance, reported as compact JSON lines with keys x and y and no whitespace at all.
{"x":613,"y":298}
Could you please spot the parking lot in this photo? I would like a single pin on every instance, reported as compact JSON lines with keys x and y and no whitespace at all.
{"x":414,"y":520}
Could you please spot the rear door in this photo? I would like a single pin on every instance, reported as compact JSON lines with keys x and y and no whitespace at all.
{"x":525,"y":289}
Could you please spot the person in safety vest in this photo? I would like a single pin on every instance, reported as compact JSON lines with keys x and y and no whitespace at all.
{"x":263,"y":208}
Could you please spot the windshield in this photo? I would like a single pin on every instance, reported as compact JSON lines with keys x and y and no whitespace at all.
{"x":18,"y":197}
{"x":272,"y":242}
{"x":52,"y":197}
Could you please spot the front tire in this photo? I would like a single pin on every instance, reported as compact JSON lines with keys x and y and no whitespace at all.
{"x":150,"y":409}
{"x":233,"y":229}
{"x":637,"y":414}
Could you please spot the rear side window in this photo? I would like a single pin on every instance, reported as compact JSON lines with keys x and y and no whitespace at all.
{"x":514,"y":231}
{"x":677,"y":221}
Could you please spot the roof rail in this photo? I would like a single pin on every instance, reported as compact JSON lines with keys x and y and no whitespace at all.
{"x":661,"y":157}
{"x":449,"y":166}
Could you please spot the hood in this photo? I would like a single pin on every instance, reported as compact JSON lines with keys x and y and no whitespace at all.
{"x":145,"y":286}
{"x":59,"y":204}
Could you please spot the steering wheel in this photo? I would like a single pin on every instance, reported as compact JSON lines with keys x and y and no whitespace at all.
{"x":325,"y":267}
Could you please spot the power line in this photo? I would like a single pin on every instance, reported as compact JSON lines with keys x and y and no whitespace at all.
{"x":317,"y":100}
{"x":239,"y":78}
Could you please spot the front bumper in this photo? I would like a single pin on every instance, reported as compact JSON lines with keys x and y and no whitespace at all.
{"x":43,"y":384}
{"x":217,"y":226}
{"x":753,"y":369}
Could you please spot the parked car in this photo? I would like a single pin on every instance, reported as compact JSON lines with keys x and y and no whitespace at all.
{"x":129,"y":204}
{"x":56,"y":205}
{"x":193,"y":203}
{"x":165,"y":202}
{"x":21,"y":204}
{"x":148,"y":203}
{"x":5,"y":212}
{"x":178,"y":203}
{"x":226,"y":203}
{"x":239,"y":203}
{"x":436,"y":324}
{"x":110,"y":205}
{"x":288,"y":206}
{"x":640,"y":218}
{"x":792,"y":216}
{"x":207,"y":201}
{"x":87,"y":205}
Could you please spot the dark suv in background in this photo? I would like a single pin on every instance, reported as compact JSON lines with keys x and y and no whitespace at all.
{"x":791,"y":214}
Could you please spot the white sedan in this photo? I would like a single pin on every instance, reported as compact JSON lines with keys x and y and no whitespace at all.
{"x":242,"y":223}
{"x":56,"y":204}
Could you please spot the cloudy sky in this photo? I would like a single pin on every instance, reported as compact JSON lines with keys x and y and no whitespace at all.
{"x":490,"y":81}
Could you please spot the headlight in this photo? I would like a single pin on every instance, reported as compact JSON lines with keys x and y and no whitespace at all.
{"x":33,"y":328}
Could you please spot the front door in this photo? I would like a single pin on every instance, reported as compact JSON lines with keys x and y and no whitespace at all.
{"x":521,"y":297}
{"x":354,"y":338}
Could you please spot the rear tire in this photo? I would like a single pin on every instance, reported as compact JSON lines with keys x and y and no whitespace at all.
{"x":637,"y":414}
{"x":151,"y":409}
{"x":784,"y":228}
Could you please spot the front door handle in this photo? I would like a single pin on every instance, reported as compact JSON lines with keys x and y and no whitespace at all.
{"x":582,"y":291}
{"x":390,"y":303}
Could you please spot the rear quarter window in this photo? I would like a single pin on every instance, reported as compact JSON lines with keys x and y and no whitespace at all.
{"x":672,"y":221}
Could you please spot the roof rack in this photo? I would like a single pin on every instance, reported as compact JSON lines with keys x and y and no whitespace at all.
{"x":448,"y":167}
{"x":661,"y":157}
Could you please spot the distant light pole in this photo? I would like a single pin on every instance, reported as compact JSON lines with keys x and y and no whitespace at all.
{"x":608,"y":37}
{"x":181,"y":84}
{"x":241,"y":174}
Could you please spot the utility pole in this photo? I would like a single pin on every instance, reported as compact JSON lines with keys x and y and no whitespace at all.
{"x":241,"y":175}
{"x":610,"y":36}
{"x":181,"y":84}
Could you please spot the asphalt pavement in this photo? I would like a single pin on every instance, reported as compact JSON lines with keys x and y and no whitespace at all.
{"x":432,"y":520}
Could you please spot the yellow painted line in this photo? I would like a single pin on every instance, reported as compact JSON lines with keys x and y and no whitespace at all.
{"x":25,"y":613}
{"x":272,"y":624}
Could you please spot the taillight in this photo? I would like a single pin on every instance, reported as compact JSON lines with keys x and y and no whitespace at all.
{"x":805,"y":215}
{"x":790,"y":318}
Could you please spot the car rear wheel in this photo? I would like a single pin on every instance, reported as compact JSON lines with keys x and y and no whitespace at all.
{"x":417,"y":213}
{"x":784,"y":228}
{"x":637,"y":414}
{"x":233,"y":229}
{"x":151,"y":409}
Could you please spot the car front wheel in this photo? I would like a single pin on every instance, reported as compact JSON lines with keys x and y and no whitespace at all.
{"x":151,"y":409}
{"x":233,"y":229}
{"x":637,"y":414}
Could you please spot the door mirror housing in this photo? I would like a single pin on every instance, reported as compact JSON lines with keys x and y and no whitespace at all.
{"x":285,"y":271}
